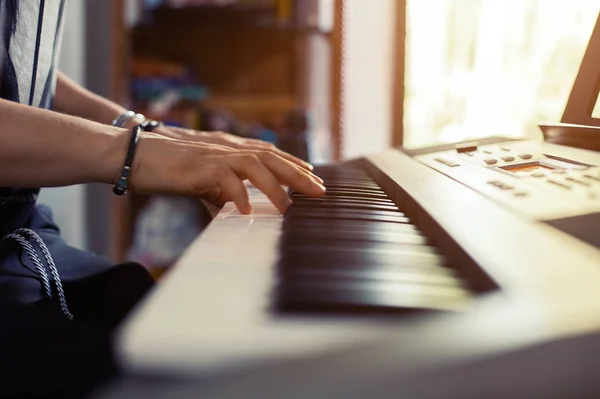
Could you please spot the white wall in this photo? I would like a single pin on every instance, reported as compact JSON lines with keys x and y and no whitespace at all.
{"x":68,"y":203}
{"x":319,"y":70}
{"x":368,"y":73}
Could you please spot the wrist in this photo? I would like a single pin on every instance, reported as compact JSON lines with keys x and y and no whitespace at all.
{"x":138,"y":119}
{"x":131,"y":119}
{"x":122,"y":185}
{"x":112,"y":155}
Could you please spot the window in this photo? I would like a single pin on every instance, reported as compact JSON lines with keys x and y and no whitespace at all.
{"x":486,"y":67}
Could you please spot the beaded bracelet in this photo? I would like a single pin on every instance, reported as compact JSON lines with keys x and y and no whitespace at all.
{"x":125,"y":117}
{"x":122,"y":184}
{"x":149,"y":125}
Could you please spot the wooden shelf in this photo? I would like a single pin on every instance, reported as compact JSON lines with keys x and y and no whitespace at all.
{"x":269,"y":15}
{"x":253,"y":107}
{"x":254,"y":60}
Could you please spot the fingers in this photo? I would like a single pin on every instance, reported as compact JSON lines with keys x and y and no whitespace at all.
{"x":275,"y":157}
{"x":231,"y":141}
{"x":230,"y":187}
{"x":250,"y":166}
{"x":291,"y":175}
{"x":253,"y":144}
{"x":267,"y":171}
{"x":217,"y":172}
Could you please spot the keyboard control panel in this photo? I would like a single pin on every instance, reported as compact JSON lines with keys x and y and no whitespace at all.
{"x":542,"y":181}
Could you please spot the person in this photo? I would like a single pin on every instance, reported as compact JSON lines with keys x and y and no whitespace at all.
{"x":59,"y":304}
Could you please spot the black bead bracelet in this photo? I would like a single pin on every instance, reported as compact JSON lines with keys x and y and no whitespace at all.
{"x":122,"y":184}
{"x":149,"y":125}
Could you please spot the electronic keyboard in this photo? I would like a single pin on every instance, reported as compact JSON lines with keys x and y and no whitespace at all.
{"x":414,"y":264}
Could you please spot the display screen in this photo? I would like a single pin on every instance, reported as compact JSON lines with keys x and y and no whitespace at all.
{"x":528,"y":167}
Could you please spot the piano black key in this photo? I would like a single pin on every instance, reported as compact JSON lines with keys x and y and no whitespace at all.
{"x":366,"y":230}
{"x":363,"y":263}
{"x":332,"y":173}
{"x":335,"y":192}
{"x":349,"y":225}
{"x":422,"y":275}
{"x":358,"y":195}
{"x":349,"y":214}
{"x":345,"y":205}
{"x":329,"y":236}
{"x":339,"y":168}
{"x":328,"y":203}
{"x":372,"y":254}
{"x":353,"y":249}
{"x":353,"y":185}
{"x":350,"y":237}
{"x":351,"y":179}
{"x":348,"y":296}
{"x":344,"y":198}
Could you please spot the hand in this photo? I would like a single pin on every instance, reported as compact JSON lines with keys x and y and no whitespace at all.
{"x":215,"y":172}
{"x":228,"y":140}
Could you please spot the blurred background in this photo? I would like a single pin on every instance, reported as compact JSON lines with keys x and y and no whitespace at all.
{"x":323,"y":79}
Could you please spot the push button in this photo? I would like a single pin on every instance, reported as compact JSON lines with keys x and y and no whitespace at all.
{"x":559,"y":171}
{"x":491,"y":161}
{"x":589,"y":176}
{"x":508,"y":158}
{"x":466,"y":147}
{"x":559,"y":184}
{"x":447,"y":162}
{"x":526,"y":156}
{"x":572,"y":179}
{"x":521,"y":193}
{"x":500,"y":185}
{"x":538,"y":174}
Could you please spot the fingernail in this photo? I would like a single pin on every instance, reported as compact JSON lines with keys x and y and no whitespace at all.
{"x":322,"y":187}
{"x":317,"y":178}
{"x":309,"y":166}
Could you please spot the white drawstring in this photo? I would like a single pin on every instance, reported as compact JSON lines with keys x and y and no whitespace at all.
{"x":20,"y":236}
{"x":35,"y":259}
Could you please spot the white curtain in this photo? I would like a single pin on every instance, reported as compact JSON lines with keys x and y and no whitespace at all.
{"x":490,"y":67}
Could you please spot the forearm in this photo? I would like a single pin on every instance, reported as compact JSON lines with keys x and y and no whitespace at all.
{"x":42,"y":148}
{"x":71,"y":98}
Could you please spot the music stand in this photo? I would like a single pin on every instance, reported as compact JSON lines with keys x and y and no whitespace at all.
{"x":578,"y":128}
